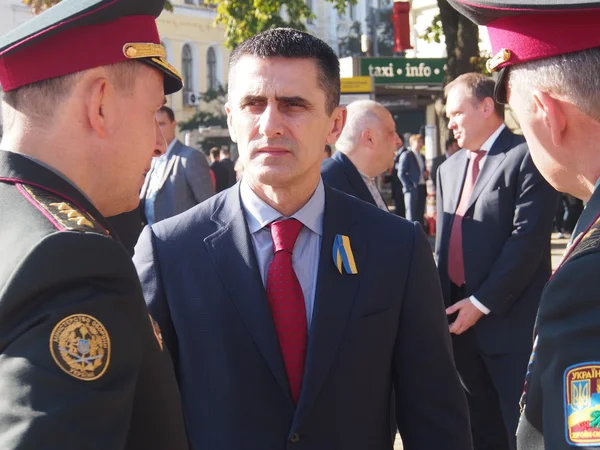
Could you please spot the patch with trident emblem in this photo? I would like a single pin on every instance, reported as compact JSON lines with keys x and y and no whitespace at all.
{"x":582,"y":404}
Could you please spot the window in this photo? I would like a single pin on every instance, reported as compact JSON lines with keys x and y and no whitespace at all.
{"x":190,"y":2}
{"x":211,"y":69}
{"x":187,"y":61}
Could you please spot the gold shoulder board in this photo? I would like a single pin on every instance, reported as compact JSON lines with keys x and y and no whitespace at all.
{"x":63,"y":214}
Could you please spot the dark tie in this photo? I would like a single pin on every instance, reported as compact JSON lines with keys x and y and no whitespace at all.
{"x":456,"y":264}
{"x":287,"y":302}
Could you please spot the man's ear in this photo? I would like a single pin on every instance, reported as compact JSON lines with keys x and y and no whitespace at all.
{"x":551,"y":111}
{"x":99,"y":106}
{"x":488,"y":106}
{"x":230,"y":123}
{"x":340,"y":114}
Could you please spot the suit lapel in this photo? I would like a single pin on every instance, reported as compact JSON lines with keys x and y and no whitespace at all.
{"x":460,"y":164}
{"x":588,"y":215}
{"x":233,"y":254}
{"x":493,"y":160}
{"x":170,"y":163}
{"x":334,"y":299}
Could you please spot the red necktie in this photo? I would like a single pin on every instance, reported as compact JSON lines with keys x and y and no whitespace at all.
{"x":456,"y":264}
{"x":287,"y":302}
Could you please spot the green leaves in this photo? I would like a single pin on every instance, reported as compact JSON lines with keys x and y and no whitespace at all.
{"x":245,"y":18}
{"x":595,"y":422}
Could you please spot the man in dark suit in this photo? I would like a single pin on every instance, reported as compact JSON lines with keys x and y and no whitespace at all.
{"x":451,"y":148}
{"x":293,"y":309}
{"x":411,"y":171}
{"x":394,"y":179}
{"x":552,"y":86}
{"x":365,"y":149}
{"x":178,"y":180}
{"x":82,"y":364}
{"x":493,"y":248}
{"x":229,"y":165}
{"x":219,"y":170}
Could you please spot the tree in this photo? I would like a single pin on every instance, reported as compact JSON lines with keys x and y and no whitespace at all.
{"x":245,"y":18}
{"x":37,"y":6}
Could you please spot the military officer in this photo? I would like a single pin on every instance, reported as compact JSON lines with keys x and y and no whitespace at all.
{"x":82,"y":364}
{"x":547,"y":55}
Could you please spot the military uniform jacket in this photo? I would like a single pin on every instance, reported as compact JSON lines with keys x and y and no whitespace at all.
{"x":81,"y":363}
{"x":562,"y":392}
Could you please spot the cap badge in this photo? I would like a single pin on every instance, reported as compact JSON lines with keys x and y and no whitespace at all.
{"x":499,"y":58}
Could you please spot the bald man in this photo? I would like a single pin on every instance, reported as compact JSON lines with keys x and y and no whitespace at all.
{"x":365,"y":149}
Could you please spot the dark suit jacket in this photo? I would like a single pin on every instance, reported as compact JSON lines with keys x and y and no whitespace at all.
{"x":201,"y":280}
{"x":506,"y":239}
{"x":61,"y":262}
{"x":230,"y":166}
{"x":221,"y":175}
{"x":568,"y":335}
{"x":340,"y":173}
{"x":185,"y":182}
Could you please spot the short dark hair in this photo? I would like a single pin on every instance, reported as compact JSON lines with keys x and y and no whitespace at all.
{"x":215,"y":152}
{"x":479,"y":86}
{"x":450,"y":141}
{"x":290,"y":43}
{"x":169,"y":112}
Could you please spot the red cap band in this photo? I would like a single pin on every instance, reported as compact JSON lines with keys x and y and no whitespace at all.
{"x":74,"y":50}
{"x":544,"y":34}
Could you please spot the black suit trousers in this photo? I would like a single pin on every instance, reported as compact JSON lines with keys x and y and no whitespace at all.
{"x":492,"y":385}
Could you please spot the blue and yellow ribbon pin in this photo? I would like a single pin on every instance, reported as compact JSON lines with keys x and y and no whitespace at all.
{"x":342,"y":254}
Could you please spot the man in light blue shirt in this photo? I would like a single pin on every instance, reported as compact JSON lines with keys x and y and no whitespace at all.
{"x":291,"y":308}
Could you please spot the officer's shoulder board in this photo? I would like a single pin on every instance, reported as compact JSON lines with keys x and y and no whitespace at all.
{"x":62,"y":213}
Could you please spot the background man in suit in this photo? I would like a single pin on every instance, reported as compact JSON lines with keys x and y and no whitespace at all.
{"x":365,"y":149}
{"x":242,"y":296}
{"x":394,"y":179}
{"x":81,"y":362}
{"x":451,"y":148}
{"x":493,"y":247}
{"x":229,"y":165}
{"x":178,"y":180}
{"x":219,"y":170}
{"x":549,"y":77}
{"x":412,"y":174}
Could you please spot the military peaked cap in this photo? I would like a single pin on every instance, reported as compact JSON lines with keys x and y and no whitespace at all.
{"x":77,"y":35}
{"x":529,"y":30}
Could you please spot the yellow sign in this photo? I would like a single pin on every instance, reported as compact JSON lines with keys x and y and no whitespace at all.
{"x":356,"y":84}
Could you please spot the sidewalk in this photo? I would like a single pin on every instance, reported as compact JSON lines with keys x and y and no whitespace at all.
{"x":557,"y":248}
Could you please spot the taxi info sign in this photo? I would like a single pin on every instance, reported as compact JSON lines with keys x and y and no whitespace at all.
{"x":404,"y":70}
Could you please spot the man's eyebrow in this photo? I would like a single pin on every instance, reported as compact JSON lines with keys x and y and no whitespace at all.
{"x":293,"y":99}
{"x":282,"y":99}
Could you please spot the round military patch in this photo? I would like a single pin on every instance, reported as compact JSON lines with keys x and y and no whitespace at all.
{"x":80,"y":345}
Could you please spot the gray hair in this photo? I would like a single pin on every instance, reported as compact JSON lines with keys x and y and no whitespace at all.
{"x":362,"y":114}
{"x":572,"y":76}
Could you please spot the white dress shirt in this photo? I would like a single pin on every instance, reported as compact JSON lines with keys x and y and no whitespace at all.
{"x":375,"y":193}
{"x":487,"y":145}
{"x":305,"y":258}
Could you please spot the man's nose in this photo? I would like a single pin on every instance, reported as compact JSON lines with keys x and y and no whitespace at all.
{"x":161,"y":142}
{"x":271,"y":121}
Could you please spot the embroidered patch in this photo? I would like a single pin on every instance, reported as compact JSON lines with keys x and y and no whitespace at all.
{"x":582,"y":404}
{"x":157,"y":332}
{"x":80,"y":345}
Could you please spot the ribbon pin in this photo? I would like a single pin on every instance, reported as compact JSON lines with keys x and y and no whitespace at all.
{"x":343,"y":256}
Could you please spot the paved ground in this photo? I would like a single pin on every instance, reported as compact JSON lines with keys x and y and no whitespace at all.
{"x":557,"y":249}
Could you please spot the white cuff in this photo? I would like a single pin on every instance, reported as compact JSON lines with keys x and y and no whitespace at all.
{"x":480,"y":306}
